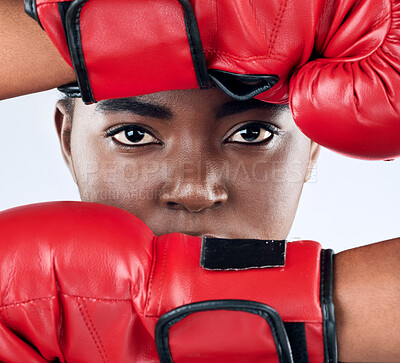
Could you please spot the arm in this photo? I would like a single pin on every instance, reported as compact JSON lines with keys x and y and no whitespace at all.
{"x":29,"y":62}
{"x":367,"y":300}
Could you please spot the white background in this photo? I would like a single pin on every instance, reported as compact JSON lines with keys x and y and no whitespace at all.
{"x":347,"y":203}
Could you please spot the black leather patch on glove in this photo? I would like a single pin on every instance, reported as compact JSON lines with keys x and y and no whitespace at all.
{"x":241,"y":254}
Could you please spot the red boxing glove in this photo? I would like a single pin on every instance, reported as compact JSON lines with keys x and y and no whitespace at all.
{"x":84,"y":282}
{"x":341,"y":58}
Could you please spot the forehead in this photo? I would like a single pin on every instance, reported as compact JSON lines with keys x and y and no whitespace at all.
{"x":169,"y":103}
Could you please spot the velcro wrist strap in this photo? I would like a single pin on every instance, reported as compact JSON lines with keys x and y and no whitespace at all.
{"x":279,"y":314}
{"x":138,"y":47}
{"x":122,"y":49}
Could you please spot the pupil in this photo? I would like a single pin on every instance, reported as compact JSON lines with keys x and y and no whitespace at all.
{"x":250,"y":133}
{"x":134,"y":135}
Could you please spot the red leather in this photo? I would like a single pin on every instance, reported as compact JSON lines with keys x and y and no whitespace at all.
{"x":348,"y":98}
{"x":84,"y":282}
{"x":341,"y":58}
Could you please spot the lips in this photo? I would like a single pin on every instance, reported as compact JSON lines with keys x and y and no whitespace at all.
{"x":194,"y":228}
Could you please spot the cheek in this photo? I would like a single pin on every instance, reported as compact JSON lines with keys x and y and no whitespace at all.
{"x":268,"y":199}
{"x":268,"y":191}
{"x":117,"y":179}
{"x":132,"y":186}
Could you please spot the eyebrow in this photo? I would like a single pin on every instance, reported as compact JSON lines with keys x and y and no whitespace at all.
{"x":146,"y":109}
{"x":135,"y":106}
{"x":234,"y":107}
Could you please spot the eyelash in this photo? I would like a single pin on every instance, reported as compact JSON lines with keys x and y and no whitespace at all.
{"x":266,"y":126}
{"x":116,"y":130}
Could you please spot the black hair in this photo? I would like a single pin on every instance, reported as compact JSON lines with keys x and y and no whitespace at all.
{"x":69,"y":104}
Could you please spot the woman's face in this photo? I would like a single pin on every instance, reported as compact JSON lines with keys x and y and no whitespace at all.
{"x":191,"y":161}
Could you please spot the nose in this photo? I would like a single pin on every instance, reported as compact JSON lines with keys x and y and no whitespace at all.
{"x":194,"y":188}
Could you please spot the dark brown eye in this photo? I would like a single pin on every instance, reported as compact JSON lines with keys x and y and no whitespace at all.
{"x":134,"y":136}
{"x":251,"y":134}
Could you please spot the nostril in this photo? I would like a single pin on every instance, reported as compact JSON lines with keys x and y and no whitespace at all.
{"x":172,"y":205}
{"x":192,"y":208}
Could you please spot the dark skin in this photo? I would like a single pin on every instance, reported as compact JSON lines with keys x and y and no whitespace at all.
{"x":367,"y":279}
{"x":199,"y":174}
{"x":193,"y":171}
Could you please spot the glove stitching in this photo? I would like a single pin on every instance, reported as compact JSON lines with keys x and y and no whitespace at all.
{"x":152,"y":269}
{"x":95,"y":298}
{"x":162,"y":275}
{"x":27,"y":301}
{"x":9,"y":284}
{"x":64,"y":294}
{"x":277,"y":24}
{"x":277,"y":56}
{"x":215,"y":28}
{"x":97,"y":342}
